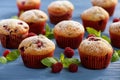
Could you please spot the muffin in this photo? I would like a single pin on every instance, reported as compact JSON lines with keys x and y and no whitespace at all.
{"x":95,"y":17}
{"x":95,"y":53}
{"x":114,"y":31}
{"x":60,"y":10}
{"x":68,"y":33}
{"x":108,"y":5}
{"x":12,"y":32}
{"x":34,"y":49}
{"x":24,"y":5}
{"x":36,"y":19}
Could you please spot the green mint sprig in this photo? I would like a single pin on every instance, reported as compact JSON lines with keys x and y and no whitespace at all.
{"x":14,"y":17}
{"x":106,"y":38}
{"x":116,"y":56}
{"x":12,"y":56}
{"x":65,"y":61}
{"x":97,"y":34}
{"x":49,"y":61}
{"x":93,"y":31}
{"x":3,"y":60}
{"x":49,"y":32}
{"x":118,"y":51}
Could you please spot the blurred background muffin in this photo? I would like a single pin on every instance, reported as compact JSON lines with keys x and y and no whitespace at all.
{"x":12,"y":32}
{"x":108,"y":5}
{"x":60,"y":10}
{"x":36,"y":19}
{"x":68,"y":33}
{"x":24,"y":5}
{"x":114,"y":32}
{"x":95,"y":17}
{"x":34,"y":49}
{"x":95,"y":53}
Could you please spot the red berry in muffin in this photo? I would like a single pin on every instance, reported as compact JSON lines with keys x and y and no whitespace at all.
{"x":6,"y":52}
{"x":73,"y":67}
{"x":57,"y":67}
{"x":90,"y":35}
{"x":68,"y":52}
{"x":116,"y":19}
{"x":31,"y":34}
{"x":43,"y":32}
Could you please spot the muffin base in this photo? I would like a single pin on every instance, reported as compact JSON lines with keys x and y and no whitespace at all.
{"x":10,"y":41}
{"x":34,"y":61}
{"x":98,"y":25}
{"x":110,"y":10}
{"x":115,"y":40}
{"x":54,"y":19}
{"x":37,"y":28}
{"x":64,"y":42}
{"x":95,"y":62}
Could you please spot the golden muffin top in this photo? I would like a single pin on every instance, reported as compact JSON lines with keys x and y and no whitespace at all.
{"x":104,"y":3}
{"x":68,"y":28}
{"x":115,"y":28}
{"x":95,"y":13}
{"x":95,"y":46}
{"x":13,"y":26}
{"x":37,"y":45}
{"x":60,"y":7}
{"x":28,"y":2}
{"x":33,"y":16}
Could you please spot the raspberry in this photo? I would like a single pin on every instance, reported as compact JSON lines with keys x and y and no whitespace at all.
{"x":57,"y":67}
{"x":73,"y":67}
{"x":90,"y":35}
{"x":6,"y":52}
{"x":69,"y":52}
{"x":43,"y":32}
{"x":31,"y":34}
{"x":116,"y":19}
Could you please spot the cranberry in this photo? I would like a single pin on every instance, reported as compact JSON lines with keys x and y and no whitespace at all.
{"x":69,"y":52}
{"x":73,"y":67}
{"x":93,"y":39}
{"x":22,"y":49}
{"x":116,"y":19}
{"x":31,"y":34}
{"x":57,"y":67}
{"x":90,"y":35}
{"x":39,"y":43}
{"x":43,"y":32}
{"x":20,"y":23}
{"x":6,"y":52}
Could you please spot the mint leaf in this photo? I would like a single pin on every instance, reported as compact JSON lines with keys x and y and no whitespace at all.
{"x":67,"y":61}
{"x":14,"y":17}
{"x":13,"y":55}
{"x":3,"y":60}
{"x":49,"y":61}
{"x":62,"y":57}
{"x":47,"y":28}
{"x":115,"y":56}
{"x":49,"y":32}
{"x":106,"y":38}
{"x":118,"y":51}
{"x":93,"y":31}
{"x":50,"y":35}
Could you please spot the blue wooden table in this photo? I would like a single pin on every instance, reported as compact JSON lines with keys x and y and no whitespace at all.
{"x":17,"y":71}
